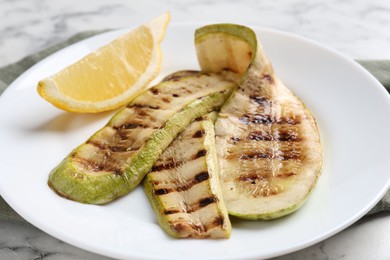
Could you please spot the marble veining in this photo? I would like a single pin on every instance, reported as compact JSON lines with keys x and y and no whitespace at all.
{"x":354,"y":27}
{"x":23,"y":241}
{"x":357,"y":28}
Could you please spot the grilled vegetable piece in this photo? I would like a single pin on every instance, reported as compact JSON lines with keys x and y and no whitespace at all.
{"x":183,"y":186}
{"x":113,"y":161}
{"x":267,"y":140}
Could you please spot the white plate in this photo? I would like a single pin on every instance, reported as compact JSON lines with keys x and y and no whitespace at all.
{"x":352,"y":109}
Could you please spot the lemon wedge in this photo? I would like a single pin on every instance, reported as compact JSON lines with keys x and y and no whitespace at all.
{"x":110,"y":76}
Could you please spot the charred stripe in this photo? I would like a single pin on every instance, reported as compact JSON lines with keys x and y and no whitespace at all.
{"x":165,"y":166}
{"x":206,"y":201}
{"x":288,"y":136}
{"x":170,"y":164}
{"x":112,"y":148}
{"x":199,"y":154}
{"x":172,"y":211}
{"x":260,"y":136}
{"x":163,"y":191}
{"x":261,"y":100}
{"x":200,"y":177}
{"x":198,"y":134}
{"x":282,"y":136}
{"x":279,"y":155}
{"x":98,"y":166}
{"x":262,"y":119}
{"x":201,"y":204}
{"x":234,"y":139}
{"x":135,"y":105}
{"x":268,"y":78}
{"x":285,"y":175}
{"x":217,"y":222}
{"x":252,"y":178}
{"x":255,"y":155}
{"x":132,"y":125}
{"x":154,"y":91}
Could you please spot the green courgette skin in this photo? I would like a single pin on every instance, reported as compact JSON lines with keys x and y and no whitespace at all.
{"x":114,"y":160}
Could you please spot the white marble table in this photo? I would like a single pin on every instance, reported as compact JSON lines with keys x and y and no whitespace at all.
{"x":358,"y":28}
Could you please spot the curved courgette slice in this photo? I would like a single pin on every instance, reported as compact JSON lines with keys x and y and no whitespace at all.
{"x":114,"y":160}
{"x":267,"y":140}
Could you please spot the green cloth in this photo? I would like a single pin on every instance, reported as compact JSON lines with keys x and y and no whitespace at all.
{"x":379,"y":68}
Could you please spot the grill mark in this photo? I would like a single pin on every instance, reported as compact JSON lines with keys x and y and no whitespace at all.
{"x":155,"y":183}
{"x":181,"y":74}
{"x":162,"y":191}
{"x":122,"y":135}
{"x":207,"y":201}
{"x":200,"y":231}
{"x":223,"y":91}
{"x":218,"y":221}
{"x":198,"y":134}
{"x":136,"y":105}
{"x":186,"y":90}
{"x":143,"y":113}
{"x":154,"y":91}
{"x":279,"y":155}
{"x":172,"y":211}
{"x":201,"y":203}
{"x":165,"y":166}
{"x":133,"y":125}
{"x":288,"y":136}
{"x":234,"y":139}
{"x":286,"y":175}
{"x":166,"y":100}
{"x":264,"y":190}
{"x":128,"y":125}
{"x":255,"y":155}
{"x":261,"y":119}
{"x":282,"y":136}
{"x":199,"y":154}
{"x":261,"y":100}
{"x":257,"y":119}
{"x":252,"y":178}
{"x":183,"y":227}
{"x":98,"y":166}
{"x":200,"y":177}
{"x":288,"y":155}
{"x":230,"y":69}
{"x":112,"y":148}
{"x":268,"y":78}
{"x":260,"y":136}
{"x":99,"y":145}
{"x":289,"y":121}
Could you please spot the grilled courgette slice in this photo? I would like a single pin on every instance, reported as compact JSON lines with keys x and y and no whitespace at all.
{"x":183,"y":186}
{"x":267,"y":140}
{"x":114,"y":160}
